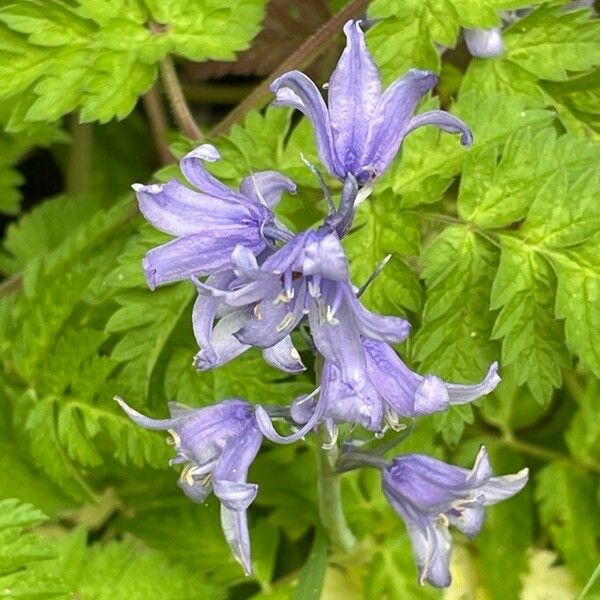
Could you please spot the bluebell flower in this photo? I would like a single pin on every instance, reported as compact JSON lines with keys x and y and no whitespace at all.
{"x":208,"y":224}
{"x":361,"y":129}
{"x":217,"y":445}
{"x":391,"y":391}
{"x":307,"y":276}
{"x":484,"y":43}
{"x":430,"y":495}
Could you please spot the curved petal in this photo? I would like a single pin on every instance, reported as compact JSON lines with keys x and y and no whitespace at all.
{"x":339,"y":341}
{"x":391,"y":117}
{"x":266,"y":426}
{"x":195,"y":172}
{"x":205,"y":310}
{"x":224,"y":346}
{"x":177,"y":210}
{"x":235,"y":529}
{"x":284,"y":356}
{"x":142,"y":420}
{"x":505,"y":486}
{"x":354,"y":91}
{"x":378,"y":327}
{"x":295,"y":89}
{"x":432,"y":548}
{"x":266,"y":187}
{"x":461,"y":394}
{"x":197,"y":255}
{"x":326,"y":257}
{"x":430,"y":396}
{"x":443,"y":120}
{"x":484,"y":43}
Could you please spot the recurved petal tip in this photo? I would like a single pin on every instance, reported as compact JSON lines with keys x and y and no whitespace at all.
{"x":142,"y":420}
{"x":205,"y":152}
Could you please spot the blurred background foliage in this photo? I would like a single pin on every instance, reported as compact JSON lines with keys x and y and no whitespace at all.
{"x":495,"y":256}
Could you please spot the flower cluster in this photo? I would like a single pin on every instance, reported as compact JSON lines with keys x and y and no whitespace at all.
{"x":258,"y":282}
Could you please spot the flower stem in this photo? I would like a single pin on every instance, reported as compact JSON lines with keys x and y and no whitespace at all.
{"x":159,"y":124}
{"x":330,"y":498}
{"x":181,"y":110}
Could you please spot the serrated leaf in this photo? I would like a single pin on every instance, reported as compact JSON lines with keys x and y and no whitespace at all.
{"x":454,"y":340}
{"x":532,"y":340}
{"x":549,"y":42}
{"x":60,"y":56}
{"x":495,"y":193}
{"x":507,"y":533}
{"x":567,"y":505}
{"x":583,"y":433}
{"x":430,"y":160}
{"x":382,"y":228}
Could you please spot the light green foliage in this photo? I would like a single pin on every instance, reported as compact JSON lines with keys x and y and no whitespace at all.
{"x":375,"y":236}
{"x":98,"y":57}
{"x":531,"y":337}
{"x":21,"y":553}
{"x":547,"y":54}
{"x":494,"y":257}
{"x":567,"y":505}
{"x":454,"y":339}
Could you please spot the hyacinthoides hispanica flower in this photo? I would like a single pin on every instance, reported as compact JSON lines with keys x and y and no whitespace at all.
{"x":208,"y":224}
{"x":430,"y":495}
{"x":258,"y":282}
{"x":360,"y":130}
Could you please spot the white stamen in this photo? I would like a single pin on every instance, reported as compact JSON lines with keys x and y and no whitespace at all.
{"x":333,"y":441}
{"x":285,"y":322}
{"x":257,"y":312}
{"x":174,"y":440}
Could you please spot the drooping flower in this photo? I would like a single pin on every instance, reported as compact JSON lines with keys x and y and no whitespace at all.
{"x":361,"y":129}
{"x":391,"y":391}
{"x":208,"y":224}
{"x":307,"y":276}
{"x":430,"y":495}
{"x":217,"y":445}
{"x":484,"y":43}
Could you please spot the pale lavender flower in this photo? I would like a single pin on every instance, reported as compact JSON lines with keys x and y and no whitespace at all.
{"x":217,"y":444}
{"x":484,"y":43}
{"x":430,"y":495}
{"x":360,"y":130}
{"x":208,"y":224}
{"x":391,"y":391}
{"x":307,"y":276}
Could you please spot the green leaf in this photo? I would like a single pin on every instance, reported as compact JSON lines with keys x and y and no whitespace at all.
{"x":567,"y":506}
{"x":550,"y":41}
{"x":392,"y":572}
{"x":454,"y":340}
{"x":247,"y":376}
{"x":375,"y":234}
{"x":21,"y":553}
{"x":507,"y":533}
{"x":62,"y":55}
{"x":583,"y":433}
{"x":312,"y":576}
{"x":430,"y":160}
{"x":499,"y":185}
{"x":532,"y":340}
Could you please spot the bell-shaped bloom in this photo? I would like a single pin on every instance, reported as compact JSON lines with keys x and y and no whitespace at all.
{"x":217,"y":445}
{"x":307,"y":276}
{"x":210,"y":223}
{"x":484,"y":43}
{"x":360,"y":129}
{"x":430,"y":495}
{"x":391,"y":391}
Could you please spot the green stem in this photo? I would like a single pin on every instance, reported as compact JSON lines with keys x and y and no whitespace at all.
{"x":181,"y":110}
{"x":330,"y":497}
{"x":79,"y":167}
